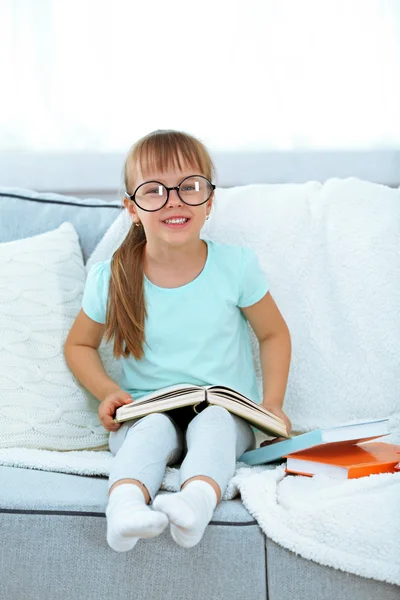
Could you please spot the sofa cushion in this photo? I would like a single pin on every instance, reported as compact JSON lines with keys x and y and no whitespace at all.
{"x":54,"y":539}
{"x":29,"y":489}
{"x":304,"y":579}
{"x":41,"y":403}
{"x":25,"y":213}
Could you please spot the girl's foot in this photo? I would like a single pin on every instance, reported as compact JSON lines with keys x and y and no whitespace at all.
{"x":189,"y":511}
{"x":129,"y":518}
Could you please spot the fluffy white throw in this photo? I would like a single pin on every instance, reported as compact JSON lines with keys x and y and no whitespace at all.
{"x":85,"y":462}
{"x":351,"y":525}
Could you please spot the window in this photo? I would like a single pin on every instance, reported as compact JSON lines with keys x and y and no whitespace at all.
{"x":261,"y":76}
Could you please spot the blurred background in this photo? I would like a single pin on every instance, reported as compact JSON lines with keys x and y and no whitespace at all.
{"x":279,"y":90}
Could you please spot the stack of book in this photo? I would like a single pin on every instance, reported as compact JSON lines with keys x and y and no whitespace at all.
{"x":345,"y":451}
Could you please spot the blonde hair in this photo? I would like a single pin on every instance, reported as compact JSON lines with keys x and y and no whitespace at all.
{"x":126,"y":306}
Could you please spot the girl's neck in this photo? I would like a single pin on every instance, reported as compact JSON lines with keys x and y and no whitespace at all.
{"x":170,"y":256}
{"x":174,"y":266}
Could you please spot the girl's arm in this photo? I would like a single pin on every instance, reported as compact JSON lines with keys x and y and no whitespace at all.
{"x":80,"y":351}
{"x":275,"y":351}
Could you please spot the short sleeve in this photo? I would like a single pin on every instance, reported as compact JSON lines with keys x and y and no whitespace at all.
{"x":94,"y":301}
{"x":254,"y":283}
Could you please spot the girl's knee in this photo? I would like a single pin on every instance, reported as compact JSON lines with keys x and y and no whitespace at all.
{"x":216,"y":414}
{"x":216,"y":411}
{"x":156,"y":421}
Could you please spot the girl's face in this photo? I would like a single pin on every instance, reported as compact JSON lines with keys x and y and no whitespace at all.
{"x":161,"y":226}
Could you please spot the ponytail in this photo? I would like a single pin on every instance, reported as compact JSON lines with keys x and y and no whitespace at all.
{"x":126,"y":308}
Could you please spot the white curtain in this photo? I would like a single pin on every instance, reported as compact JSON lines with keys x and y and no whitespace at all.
{"x":94,"y":75}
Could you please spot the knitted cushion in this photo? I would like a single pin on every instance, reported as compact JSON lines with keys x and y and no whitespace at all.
{"x":41,"y":404}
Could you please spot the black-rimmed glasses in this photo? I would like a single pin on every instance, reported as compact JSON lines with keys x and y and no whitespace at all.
{"x":153,"y":195}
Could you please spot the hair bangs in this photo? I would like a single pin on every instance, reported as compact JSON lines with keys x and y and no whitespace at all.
{"x":162,"y":151}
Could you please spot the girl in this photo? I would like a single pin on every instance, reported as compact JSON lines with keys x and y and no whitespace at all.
{"x":176,"y":307}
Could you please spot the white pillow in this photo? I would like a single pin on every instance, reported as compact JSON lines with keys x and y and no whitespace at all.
{"x":41,"y":403}
{"x":111,"y":240}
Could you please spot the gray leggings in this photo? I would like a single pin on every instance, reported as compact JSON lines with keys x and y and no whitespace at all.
{"x":214,"y":440}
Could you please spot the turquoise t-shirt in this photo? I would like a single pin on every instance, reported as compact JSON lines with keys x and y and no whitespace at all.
{"x":195,"y":333}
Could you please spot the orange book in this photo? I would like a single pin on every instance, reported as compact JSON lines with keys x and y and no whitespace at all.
{"x":345,"y":461}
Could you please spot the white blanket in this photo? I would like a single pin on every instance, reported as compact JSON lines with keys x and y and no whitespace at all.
{"x":352,"y":525}
{"x":85,"y":462}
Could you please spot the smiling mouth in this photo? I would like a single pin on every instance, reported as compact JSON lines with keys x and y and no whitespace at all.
{"x":176,"y":222}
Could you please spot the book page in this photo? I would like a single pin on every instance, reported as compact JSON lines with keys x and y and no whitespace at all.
{"x":164,"y":403}
{"x":260,"y":419}
{"x":233,"y":395}
{"x":169,"y":392}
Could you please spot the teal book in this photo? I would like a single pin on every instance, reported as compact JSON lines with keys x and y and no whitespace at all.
{"x":354,"y":432}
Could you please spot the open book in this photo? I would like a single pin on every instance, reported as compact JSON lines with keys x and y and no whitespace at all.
{"x":355,"y":432}
{"x":200,"y":397}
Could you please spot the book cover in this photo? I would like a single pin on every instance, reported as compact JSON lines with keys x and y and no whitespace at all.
{"x":345,"y":460}
{"x":355,"y":432}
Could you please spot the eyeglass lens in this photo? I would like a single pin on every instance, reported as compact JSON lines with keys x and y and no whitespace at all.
{"x":192,"y":190}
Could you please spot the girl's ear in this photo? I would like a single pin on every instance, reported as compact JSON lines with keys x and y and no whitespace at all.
{"x":130,"y":207}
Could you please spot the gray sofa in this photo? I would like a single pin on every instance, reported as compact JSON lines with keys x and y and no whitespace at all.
{"x":53,"y":544}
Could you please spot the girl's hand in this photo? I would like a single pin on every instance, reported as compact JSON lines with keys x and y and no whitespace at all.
{"x":108,"y":407}
{"x":279,"y":413}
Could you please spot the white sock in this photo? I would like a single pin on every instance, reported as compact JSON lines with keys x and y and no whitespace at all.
{"x":189,"y":511}
{"x":129,"y":518}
